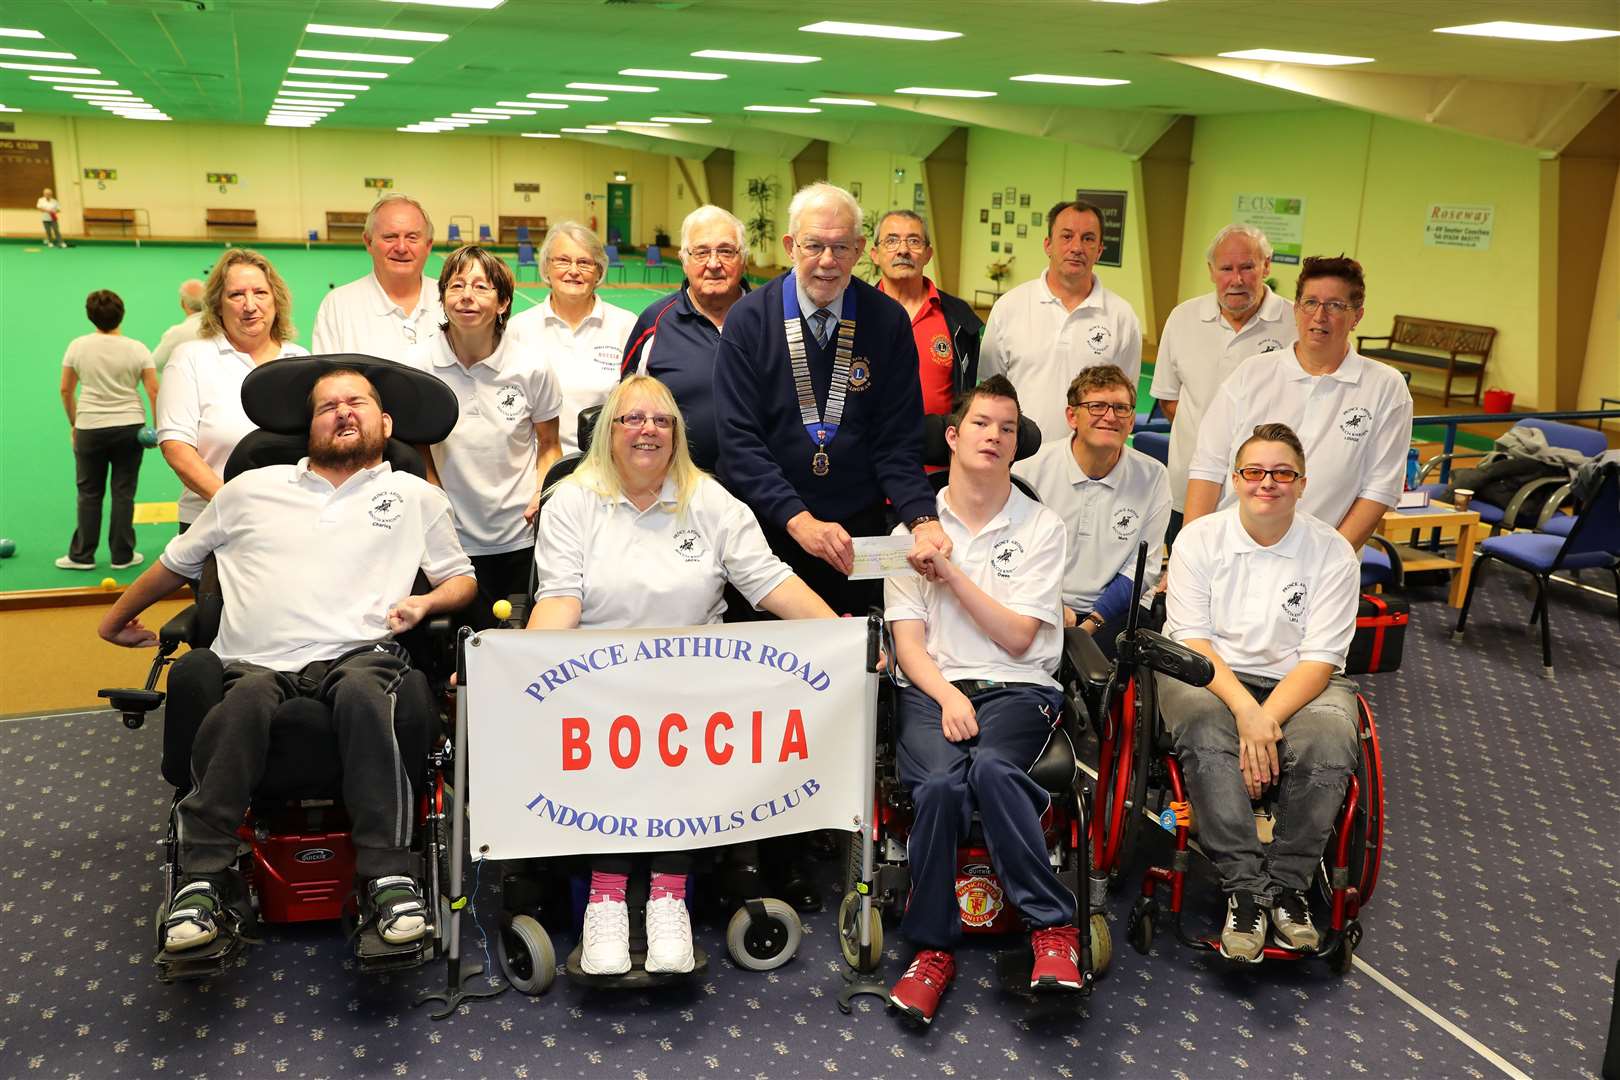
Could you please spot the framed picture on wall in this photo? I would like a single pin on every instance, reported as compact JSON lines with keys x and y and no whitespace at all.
{"x":1035,"y":218}
{"x":1023,"y":231}
{"x":984,"y":216}
{"x":855,"y":189}
{"x":995,"y":201}
{"x":1012,"y":193}
{"x":1023,"y":200}
{"x":1008,"y":248}
{"x":995,"y":228}
{"x":995,"y":246}
{"x":1009,"y":216}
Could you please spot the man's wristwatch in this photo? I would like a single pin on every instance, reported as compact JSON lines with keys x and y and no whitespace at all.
{"x":921,"y":519}
{"x":1093,"y":617}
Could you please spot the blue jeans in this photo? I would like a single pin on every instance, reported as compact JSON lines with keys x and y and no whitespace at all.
{"x":1320,"y":748}
{"x":990,"y":773}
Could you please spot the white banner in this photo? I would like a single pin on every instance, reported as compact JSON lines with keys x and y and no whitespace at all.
{"x":601,"y":741}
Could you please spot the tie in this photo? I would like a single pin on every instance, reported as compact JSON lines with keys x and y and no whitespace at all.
{"x":819,"y":319}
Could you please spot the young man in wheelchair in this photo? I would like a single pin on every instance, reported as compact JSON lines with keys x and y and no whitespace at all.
{"x":977,"y":638}
{"x":316,"y":562}
{"x":1269,"y":595}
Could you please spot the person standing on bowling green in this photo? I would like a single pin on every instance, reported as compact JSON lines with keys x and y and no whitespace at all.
{"x":104,"y":423}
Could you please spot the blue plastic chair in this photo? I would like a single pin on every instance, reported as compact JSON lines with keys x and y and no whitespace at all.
{"x":454,"y":235}
{"x":1381,"y":564}
{"x":1155,"y":444}
{"x":523,"y":234}
{"x":526,"y":259}
{"x":1153,"y":420}
{"x":1583,"y":441}
{"x":613,"y":238}
{"x":613,"y":258}
{"x":484,"y":235}
{"x":655,"y":261}
{"x":1593,"y":543}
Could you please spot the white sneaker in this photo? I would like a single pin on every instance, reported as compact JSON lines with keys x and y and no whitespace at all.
{"x":607,"y":938}
{"x":669,"y":936}
{"x":134,"y":560}
{"x":66,"y":563}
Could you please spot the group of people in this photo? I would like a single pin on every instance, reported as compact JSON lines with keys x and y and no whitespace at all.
{"x":775,"y":425}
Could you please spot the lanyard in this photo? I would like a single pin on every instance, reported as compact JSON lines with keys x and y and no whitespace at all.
{"x":821,"y":428}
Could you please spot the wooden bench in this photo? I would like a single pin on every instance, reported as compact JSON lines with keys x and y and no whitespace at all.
{"x":231,"y":219}
{"x":509,"y":229}
{"x":345,"y":224}
{"x":101,"y":215}
{"x":1445,"y":345}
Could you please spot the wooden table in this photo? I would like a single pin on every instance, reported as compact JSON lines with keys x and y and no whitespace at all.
{"x":1402,"y":526}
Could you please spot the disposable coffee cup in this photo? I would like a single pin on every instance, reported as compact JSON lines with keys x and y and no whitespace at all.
{"x":1461,"y":497}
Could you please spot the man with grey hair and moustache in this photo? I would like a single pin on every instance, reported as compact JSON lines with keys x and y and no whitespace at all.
{"x":944,"y":326}
{"x":394,"y":307}
{"x":675,"y":337}
{"x":1206,"y":337}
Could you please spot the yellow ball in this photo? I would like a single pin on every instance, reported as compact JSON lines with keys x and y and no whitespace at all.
{"x":109,"y":583}
{"x":502,"y":609}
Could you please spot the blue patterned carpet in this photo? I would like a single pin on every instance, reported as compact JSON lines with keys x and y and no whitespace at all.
{"x":1497,"y":911}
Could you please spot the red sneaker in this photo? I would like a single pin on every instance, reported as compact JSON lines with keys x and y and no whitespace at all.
{"x":1057,"y":959}
{"x":918,"y":992}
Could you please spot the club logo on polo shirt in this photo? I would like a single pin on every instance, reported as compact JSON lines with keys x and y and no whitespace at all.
{"x":385,"y":508}
{"x":1100,"y":338}
{"x":689,"y":545}
{"x":1125,"y":522}
{"x":607,"y":357}
{"x":1006,"y":557}
{"x":860,"y":374}
{"x":1355,"y":422}
{"x":1269,"y":344}
{"x":512,"y":403}
{"x":1293,"y":600}
{"x":940,"y":350}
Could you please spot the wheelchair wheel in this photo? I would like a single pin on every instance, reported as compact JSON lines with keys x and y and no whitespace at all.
{"x":526,"y":955}
{"x":1365,"y":853}
{"x":849,"y":934}
{"x":1120,"y":808}
{"x":768,"y":946}
{"x":1140,"y":929}
{"x":1102,"y":945}
{"x":1343,"y":957}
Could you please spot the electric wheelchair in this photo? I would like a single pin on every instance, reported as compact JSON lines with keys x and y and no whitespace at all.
{"x":1139,"y":783}
{"x":298,"y":864}
{"x":877,"y":878}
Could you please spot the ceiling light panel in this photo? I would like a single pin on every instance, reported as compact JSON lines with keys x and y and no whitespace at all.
{"x":1288,"y":56}
{"x":374,"y":32}
{"x":567,"y":97}
{"x":642,"y":123}
{"x":533,"y":104}
{"x":359,"y":58}
{"x":613,"y":88}
{"x":779,"y":109}
{"x":1070,"y":80}
{"x":316,"y":94}
{"x":12,"y":65}
{"x":479,"y":5}
{"x":759,"y":57}
{"x":843,"y":101}
{"x":71,"y":79}
{"x":324,"y":85}
{"x":39,"y":54}
{"x":540,"y":135}
{"x":16,"y":32}
{"x":504,"y":112}
{"x":944,"y":91}
{"x":683,"y":120}
{"x":875,"y":30}
{"x":1519,"y":31}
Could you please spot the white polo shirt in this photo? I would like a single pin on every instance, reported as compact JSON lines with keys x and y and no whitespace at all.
{"x":110,"y":369}
{"x":181,"y":332}
{"x":1355,"y":424}
{"x":586,"y":360}
{"x":200,"y":404}
{"x":359,"y":318}
{"x":652,"y":567}
{"x":1264,"y":609}
{"x":1017,"y":558}
{"x":309,"y":571}
{"x":487,"y":465}
{"x":1105,"y":518}
{"x":1041,"y":347}
{"x":1197,"y":351}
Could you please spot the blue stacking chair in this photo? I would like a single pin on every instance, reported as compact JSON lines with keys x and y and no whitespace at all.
{"x":1153,"y":420}
{"x":1155,"y":444}
{"x":523,"y":234}
{"x":613,"y":258}
{"x":526,"y":259}
{"x":1584,"y":441}
{"x":613,"y":238}
{"x":454,"y":235}
{"x":655,"y":261}
{"x":1381,"y":564}
{"x":484,"y":235}
{"x":1593,"y":542}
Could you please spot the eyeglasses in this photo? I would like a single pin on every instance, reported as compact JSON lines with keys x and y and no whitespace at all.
{"x":704,"y":254}
{"x":895,"y":243}
{"x":1098,"y":408}
{"x":812,"y":249}
{"x":1311,"y":305}
{"x":1254,"y":474}
{"x":564,"y":263}
{"x":481,"y":289}
{"x":636,"y":420}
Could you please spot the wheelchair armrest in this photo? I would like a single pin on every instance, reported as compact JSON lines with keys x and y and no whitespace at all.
{"x":181,"y":629}
{"x":134,"y":704}
{"x":1158,"y":653}
{"x":1510,"y":514}
{"x":1086,"y":660}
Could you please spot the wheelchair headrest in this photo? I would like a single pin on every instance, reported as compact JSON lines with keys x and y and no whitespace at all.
{"x":260,"y":448}
{"x":276,"y":395}
{"x":586,"y":428}
{"x":936,"y":452}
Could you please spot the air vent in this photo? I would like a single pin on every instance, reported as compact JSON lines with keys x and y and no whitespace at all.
{"x":178,"y":74}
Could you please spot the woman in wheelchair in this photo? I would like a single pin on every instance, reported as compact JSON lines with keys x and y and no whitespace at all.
{"x":638,"y":535}
{"x":505,"y":439}
{"x":1269,"y":596}
{"x":316,"y":562}
{"x":977,"y":638}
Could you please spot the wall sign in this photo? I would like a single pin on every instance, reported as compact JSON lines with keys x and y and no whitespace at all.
{"x":1112,"y":205}
{"x":1459,"y":226}
{"x":100,"y":174}
{"x":1280,"y":217}
{"x":526,"y":188}
{"x":380,"y":183}
{"x":222,"y":178}
{"x":26,"y":169}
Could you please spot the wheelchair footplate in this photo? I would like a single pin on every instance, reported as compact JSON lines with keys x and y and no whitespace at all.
{"x":638,"y":977}
{"x":237,"y":930}
{"x":1012,"y":973}
{"x":374,"y":955}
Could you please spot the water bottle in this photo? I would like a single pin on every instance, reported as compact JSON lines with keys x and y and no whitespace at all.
{"x":1411,"y":468}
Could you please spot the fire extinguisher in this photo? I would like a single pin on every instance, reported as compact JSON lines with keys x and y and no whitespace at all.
{"x":593,"y":223}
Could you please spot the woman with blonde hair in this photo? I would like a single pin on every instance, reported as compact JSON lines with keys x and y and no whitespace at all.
{"x":246,"y":321}
{"x":638,"y":535}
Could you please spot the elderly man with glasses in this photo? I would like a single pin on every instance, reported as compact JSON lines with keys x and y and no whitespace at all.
{"x":944,"y":326}
{"x":1353,"y":415}
{"x":675,"y":337}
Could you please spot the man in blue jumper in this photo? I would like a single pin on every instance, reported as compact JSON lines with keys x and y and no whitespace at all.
{"x":818,"y":405}
{"x":1110,"y":496}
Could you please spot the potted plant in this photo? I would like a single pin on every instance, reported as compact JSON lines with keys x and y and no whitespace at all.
{"x":761,"y":224}
{"x":999,"y":271}
{"x":660,"y":236}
